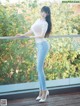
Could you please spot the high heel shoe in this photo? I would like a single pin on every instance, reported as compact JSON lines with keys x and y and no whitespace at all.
{"x":39,"y":97}
{"x":43,"y":100}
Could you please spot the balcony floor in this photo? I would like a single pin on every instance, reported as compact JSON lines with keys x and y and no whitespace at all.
{"x":69,"y":99}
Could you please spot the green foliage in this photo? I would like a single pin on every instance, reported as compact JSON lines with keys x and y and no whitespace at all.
{"x":18,"y":57}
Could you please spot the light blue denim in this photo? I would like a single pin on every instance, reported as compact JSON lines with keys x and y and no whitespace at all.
{"x":42,"y":50}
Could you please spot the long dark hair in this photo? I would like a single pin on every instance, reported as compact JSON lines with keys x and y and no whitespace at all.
{"x":46,"y":9}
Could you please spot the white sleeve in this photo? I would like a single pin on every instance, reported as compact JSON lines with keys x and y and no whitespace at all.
{"x":44,"y":29}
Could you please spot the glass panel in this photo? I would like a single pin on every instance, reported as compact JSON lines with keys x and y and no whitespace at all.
{"x":64,"y":57}
{"x":18,"y":60}
{"x":75,"y":57}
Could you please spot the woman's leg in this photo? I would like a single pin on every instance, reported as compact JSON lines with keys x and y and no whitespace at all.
{"x":43,"y":48}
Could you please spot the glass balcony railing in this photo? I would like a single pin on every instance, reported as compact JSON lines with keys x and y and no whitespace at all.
{"x":18,"y":59}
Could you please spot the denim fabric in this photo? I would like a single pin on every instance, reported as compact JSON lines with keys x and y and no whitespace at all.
{"x":42,"y":50}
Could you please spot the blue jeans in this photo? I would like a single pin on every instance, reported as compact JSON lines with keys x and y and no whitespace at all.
{"x":42,"y":50}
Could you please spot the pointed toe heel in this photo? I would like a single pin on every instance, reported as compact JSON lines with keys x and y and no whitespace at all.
{"x":38,"y":98}
{"x":44,"y":100}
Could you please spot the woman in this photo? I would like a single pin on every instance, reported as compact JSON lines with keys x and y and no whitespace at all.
{"x":41,"y":29}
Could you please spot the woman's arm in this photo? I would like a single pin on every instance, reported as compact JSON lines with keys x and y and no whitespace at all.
{"x":28,"y":33}
{"x":25,"y":34}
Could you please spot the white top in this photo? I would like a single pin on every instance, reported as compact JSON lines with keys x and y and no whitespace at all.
{"x":39,"y":28}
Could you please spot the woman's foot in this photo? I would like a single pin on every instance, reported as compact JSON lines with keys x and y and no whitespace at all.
{"x":44,"y":96}
{"x":39,"y":96}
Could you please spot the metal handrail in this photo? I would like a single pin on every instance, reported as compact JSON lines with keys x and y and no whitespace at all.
{"x":54,"y":36}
